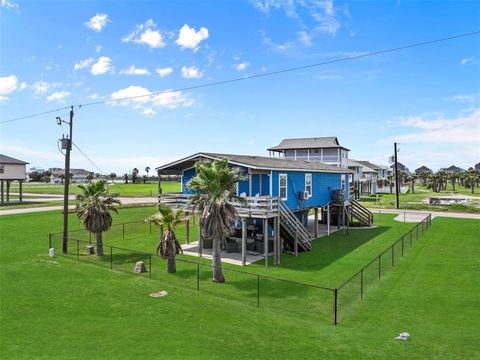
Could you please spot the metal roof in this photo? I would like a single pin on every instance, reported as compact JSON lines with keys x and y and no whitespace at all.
{"x":308,"y":143}
{"x":423,"y":169}
{"x":4,"y":159}
{"x":254,"y":162}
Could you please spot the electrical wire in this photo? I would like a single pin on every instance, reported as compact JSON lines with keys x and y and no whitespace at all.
{"x":256,"y":76}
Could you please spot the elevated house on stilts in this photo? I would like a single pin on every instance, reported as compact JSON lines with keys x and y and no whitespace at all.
{"x":279,"y":195}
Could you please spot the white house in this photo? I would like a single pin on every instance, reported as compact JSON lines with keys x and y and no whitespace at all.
{"x":11,"y":170}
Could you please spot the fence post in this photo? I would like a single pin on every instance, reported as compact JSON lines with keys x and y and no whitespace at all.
{"x":416,"y":239}
{"x":335,"y":306}
{"x":258,"y":290}
{"x":78,"y":250}
{"x":361,"y":284}
{"x":198,"y":277}
{"x":123,"y":231}
{"x":49,"y":241}
{"x":411,"y":232}
{"x":150,"y":265}
{"x":111,"y":258}
{"x":379,"y":266}
{"x":403,"y":238}
{"x":393,"y":254}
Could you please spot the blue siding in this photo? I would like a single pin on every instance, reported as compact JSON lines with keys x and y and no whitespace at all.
{"x":322,"y":184}
{"x":187,"y":175}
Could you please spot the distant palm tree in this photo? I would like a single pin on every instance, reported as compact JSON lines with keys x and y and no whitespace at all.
{"x":168,"y":246}
{"x":61,"y":177}
{"x":125,"y":177}
{"x":134,"y":175}
{"x":112,"y":176}
{"x":94,"y":204}
{"x":90,"y":177}
{"x":412,"y":178}
{"x":147,"y":170}
{"x":214,"y":187}
{"x":453,"y":179}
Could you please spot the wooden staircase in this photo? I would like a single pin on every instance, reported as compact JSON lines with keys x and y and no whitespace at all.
{"x":360,"y":212}
{"x":292,"y":230}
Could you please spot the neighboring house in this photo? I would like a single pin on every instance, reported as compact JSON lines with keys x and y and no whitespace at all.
{"x":277,"y":192}
{"x":400,"y":167}
{"x":453,"y":169}
{"x":423,"y":170}
{"x":366,"y":177}
{"x":11,"y":170}
{"x":326,"y":150}
{"x":78,"y":175}
{"x":477,"y":166}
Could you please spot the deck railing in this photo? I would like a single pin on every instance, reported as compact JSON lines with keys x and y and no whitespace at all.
{"x":252,"y":206}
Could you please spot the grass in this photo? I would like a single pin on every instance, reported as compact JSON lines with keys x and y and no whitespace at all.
{"x":416,"y":201}
{"x":57,"y":308}
{"x":127,"y":190}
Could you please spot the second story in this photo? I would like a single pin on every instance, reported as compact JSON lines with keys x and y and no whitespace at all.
{"x":326,"y":150}
{"x":299,"y":184}
{"x":12,"y":169}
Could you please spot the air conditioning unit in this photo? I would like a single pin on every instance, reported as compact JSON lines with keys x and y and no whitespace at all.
{"x":303,"y":195}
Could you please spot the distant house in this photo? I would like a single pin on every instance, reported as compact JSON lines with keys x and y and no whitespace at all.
{"x":477,"y":166}
{"x":453,"y":169}
{"x":11,"y":170}
{"x":367,"y":176}
{"x":78,"y":175}
{"x":401,"y":167}
{"x":423,"y":170}
{"x":326,"y":150}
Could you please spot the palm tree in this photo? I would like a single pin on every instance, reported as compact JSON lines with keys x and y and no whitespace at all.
{"x":90,"y":177}
{"x":125,"y":177}
{"x":134,"y":175}
{"x":61,"y":177}
{"x":412,"y":178}
{"x":147,"y":170}
{"x":168,"y":246}
{"x":214,"y":187}
{"x":453,"y":179}
{"x":112,"y":176}
{"x":93,"y":209}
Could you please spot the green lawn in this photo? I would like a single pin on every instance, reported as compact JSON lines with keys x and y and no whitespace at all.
{"x":128,"y":190}
{"x":58,"y":308}
{"x":416,"y":201}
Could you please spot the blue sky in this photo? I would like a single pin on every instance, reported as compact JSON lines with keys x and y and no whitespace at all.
{"x":54,"y":54}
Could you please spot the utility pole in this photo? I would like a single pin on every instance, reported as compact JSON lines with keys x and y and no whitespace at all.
{"x":67,"y":145}
{"x":397,"y":184}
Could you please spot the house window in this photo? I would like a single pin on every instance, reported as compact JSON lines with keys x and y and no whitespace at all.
{"x":308,"y":184}
{"x":2,"y":169}
{"x":282,"y":188}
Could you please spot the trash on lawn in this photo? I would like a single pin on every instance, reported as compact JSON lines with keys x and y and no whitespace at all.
{"x":403,"y":336}
{"x":161,"y":293}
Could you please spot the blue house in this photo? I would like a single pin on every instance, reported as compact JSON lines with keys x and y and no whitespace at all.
{"x":279,"y":194}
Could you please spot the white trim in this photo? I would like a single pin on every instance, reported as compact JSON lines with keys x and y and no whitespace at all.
{"x":286,"y":185}
{"x":310,"y":193}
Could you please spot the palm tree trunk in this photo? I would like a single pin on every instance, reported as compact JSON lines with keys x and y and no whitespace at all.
{"x":171,"y":265}
{"x":217,"y":261}
{"x":413,"y":186}
{"x":99,"y":236}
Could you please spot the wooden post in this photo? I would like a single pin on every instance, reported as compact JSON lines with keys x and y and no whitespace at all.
{"x":2,"y":190}
{"x":275,"y":241}
{"x":244,"y":242}
{"x":8,"y":190}
{"x":315,"y":228}
{"x":265,"y":240}
{"x":187,"y":228}
{"x":21,"y":190}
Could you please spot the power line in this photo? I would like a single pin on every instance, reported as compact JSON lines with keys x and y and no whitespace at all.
{"x":265,"y":74}
{"x":34,"y":115}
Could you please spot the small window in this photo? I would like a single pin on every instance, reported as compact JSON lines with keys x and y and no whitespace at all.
{"x":308,"y":184}
{"x":2,"y":170}
{"x":282,"y":189}
{"x":343,"y":182}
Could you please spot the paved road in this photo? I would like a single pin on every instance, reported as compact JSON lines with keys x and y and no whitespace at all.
{"x":434,"y":213}
{"x":124,"y":200}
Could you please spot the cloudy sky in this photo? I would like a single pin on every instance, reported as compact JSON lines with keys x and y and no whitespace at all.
{"x":57,"y":54}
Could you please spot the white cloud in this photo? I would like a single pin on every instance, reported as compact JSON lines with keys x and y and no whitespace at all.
{"x":164,"y":71}
{"x":242,"y":66}
{"x":467,"y":98}
{"x":146,"y":34}
{"x":58,"y":96}
{"x":189,"y":38}
{"x":98,"y":48}
{"x":102,"y":66}
{"x":466,"y":60}
{"x":191,"y":72}
{"x":23,"y":85}
{"x":3,"y":98}
{"x":464,"y":128}
{"x":42,"y":87}
{"x":8,"y":4}
{"x":8,"y":84}
{"x":83,"y":64}
{"x":304,"y":38}
{"x":142,"y":99}
{"x":132,"y":70}
{"x":98,"y":22}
